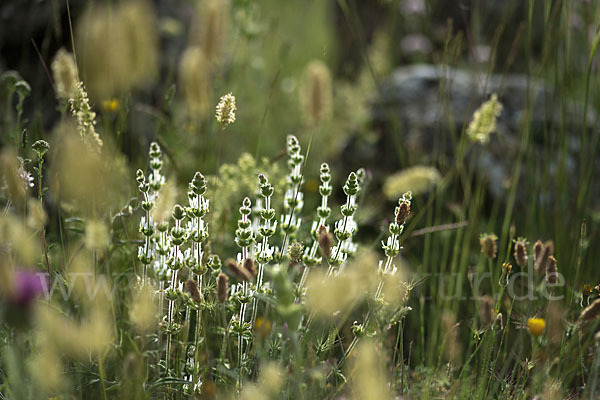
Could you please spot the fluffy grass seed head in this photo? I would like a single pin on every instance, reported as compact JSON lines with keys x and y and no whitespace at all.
{"x":225,"y":110}
{"x":194,"y":81}
{"x":86,"y":118}
{"x":46,"y":368}
{"x":36,"y":215}
{"x":165,"y":202}
{"x":484,"y":120}
{"x":64,"y":72}
{"x":536,"y":326}
{"x":210,"y":30}
{"x":418,"y":180}
{"x":326,"y":296}
{"x":489,"y":247}
{"x":315,"y":93}
{"x":368,"y":373}
{"x":16,"y":179}
{"x":269,"y":385}
{"x":124,"y":43}
{"x":144,"y":310}
{"x":22,"y":241}
{"x":96,"y":234}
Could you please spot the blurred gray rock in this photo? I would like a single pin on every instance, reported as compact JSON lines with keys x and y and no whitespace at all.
{"x":422,"y":110}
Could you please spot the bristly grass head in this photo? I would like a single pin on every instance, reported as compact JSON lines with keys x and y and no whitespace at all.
{"x":225,"y":110}
{"x":484,"y":120}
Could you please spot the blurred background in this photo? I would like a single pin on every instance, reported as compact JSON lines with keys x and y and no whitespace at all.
{"x":388,"y":85}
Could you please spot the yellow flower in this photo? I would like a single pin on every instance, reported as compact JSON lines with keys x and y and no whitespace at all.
{"x":536,"y":326}
{"x":110,"y":105}
{"x":262,"y":327}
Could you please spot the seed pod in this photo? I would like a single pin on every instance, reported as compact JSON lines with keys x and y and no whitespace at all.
{"x":191,"y":286}
{"x":222,"y":287}
{"x":403,"y":212}
{"x":591,"y":312}
{"x":295,"y":252}
{"x":488,"y":245}
{"x":521,"y":252}
{"x":240,"y":273}
{"x":250,"y":266}
{"x":541,"y":260}
{"x":324,"y":241}
{"x":551,"y":270}
{"x":537,"y":250}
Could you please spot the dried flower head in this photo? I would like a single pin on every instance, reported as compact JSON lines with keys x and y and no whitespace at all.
{"x":538,"y":246}
{"x":191,"y":286}
{"x":484,"y":120}
{"x":324,"y":239}
{"x":222,"y":287}
{"x":591,"y":312}
{"x":64,"y":72}
{"x":536,"y":326}
{"x":315,"y":93}
{"x":295,"y":252}
{"x":250,"y":266}
{"x":521,"y":251}
{"x":240,"y":273}
{"x":225,"y":111}
{"x":551,"y":270}
{"x":542,"y":254}
{"x":488,"y":244}
{"x":403,"y":211}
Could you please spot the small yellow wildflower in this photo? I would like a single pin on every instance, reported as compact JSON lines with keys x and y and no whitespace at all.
{"x":536,"y":326}
{"x":110,"y":105}
{"x":262,"y":327}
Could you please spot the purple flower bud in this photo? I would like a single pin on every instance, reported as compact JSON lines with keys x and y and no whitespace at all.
{"x":27,"y":285}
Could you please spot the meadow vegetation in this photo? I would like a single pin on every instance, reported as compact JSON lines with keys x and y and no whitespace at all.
{"x":182,"y":218}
